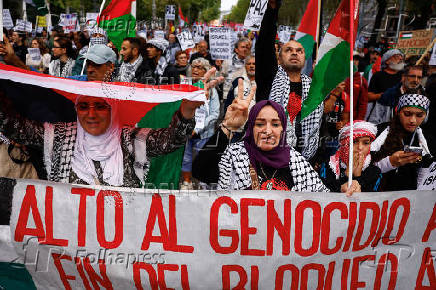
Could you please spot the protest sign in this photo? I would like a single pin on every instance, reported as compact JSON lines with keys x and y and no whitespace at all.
{"x":284,"y":33}
{"x":185,"y":39}
{"x":220,"y":41}
{"x":198,"y":32}
{"x":41,"y":21}
{"x":7,"y":19}
{"x":35,"y":54}
{"x":68,"y":22}
{"x":427,"y":178}
{"x":91,"y":20}
{"x":159,"y":34}
{"x":23,"y":25}
{"x":170,"y":12}
{"x":76,"y":236}
{"x":39,"y":29}
{"x":414,"y":42}
{"x":255,"y":13}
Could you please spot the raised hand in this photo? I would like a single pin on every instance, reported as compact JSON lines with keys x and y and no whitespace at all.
{"x":237,"y":112}
{"x":210,"y":83}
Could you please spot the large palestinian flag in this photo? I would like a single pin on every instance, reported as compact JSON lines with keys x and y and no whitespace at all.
{"x":118,"y":20}
{"x":333,"y":60}
{"x":150,"y":106}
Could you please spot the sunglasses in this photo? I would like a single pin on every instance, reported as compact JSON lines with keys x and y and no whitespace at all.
{"x":85,"y":107}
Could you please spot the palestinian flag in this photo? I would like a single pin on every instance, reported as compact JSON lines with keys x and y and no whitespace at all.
{"x":182,"y":19}
{"x":307,"y":32}
{"x":118,"y":20}
{"x":333,"y":60}
{"x":142,"y":105}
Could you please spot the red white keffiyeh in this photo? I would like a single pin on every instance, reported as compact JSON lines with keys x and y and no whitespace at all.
{"x":360,"y":129}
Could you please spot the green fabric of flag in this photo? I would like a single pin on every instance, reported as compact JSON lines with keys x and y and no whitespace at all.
{"x":117,"y":21}
{"x":164,"y":170}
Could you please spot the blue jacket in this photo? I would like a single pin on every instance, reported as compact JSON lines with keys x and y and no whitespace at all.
{"x":391,"y":96}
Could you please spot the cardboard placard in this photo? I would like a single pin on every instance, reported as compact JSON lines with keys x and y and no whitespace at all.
{"x":185,"y":39}
{"x":255,"y":13}
{"x":414,"y":42}
{"x":159,"y":34}
{"x":22,"y":25}
{"x":220,"y":41}
{"x":170,"y":12}
{"x":7,"y":19}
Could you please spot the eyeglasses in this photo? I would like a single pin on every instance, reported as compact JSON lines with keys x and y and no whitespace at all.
{"x":414,"y":77}
{"x":99,"y":107}
{"x":197,"y":67}
{"x":57,"y":47}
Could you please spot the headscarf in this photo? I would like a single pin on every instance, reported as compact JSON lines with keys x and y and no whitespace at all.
{"x":105,"y":148}
{"x":360,"y":129}
{"x":277,"y":157}
{"x":413,"y":100}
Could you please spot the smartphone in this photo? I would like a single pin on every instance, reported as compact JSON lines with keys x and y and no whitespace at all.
{"x":415,"y":149}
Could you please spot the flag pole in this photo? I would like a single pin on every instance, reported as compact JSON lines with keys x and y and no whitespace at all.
{"x":1,"y":20}
{"x":318,"y":28}
{"x":350,"y":155}
{"x":98,"y":18}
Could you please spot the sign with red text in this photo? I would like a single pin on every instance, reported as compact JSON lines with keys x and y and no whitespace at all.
{"x":81,"y":237}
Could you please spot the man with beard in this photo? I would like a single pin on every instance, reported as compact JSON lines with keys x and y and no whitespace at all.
{"x":392,"y":64}
{"x":131,"y":59}
{"x":285,"y":84}
{"x":410,"y":84}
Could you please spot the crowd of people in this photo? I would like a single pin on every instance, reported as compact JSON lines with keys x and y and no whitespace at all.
{"x":249,"y":134}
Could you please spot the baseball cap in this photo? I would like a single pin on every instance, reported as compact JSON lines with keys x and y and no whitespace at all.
{"x":100,"y":54}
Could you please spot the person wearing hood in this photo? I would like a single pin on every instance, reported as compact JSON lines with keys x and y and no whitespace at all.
{"x":366,"y":176}
{"x":264,"y":160}
{"x":391,"y":149}
{"x":392,"y":65}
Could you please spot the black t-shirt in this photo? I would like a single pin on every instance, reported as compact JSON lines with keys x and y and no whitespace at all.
{"x":381,"y":81}
{"x":274,"y":179}
{"x":297,"y":88}
{"x":20,"y":51}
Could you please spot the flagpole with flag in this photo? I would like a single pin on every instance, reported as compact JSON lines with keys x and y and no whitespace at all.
{"x":350,"y":158}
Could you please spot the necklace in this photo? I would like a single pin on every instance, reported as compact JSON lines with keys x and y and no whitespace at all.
{"x":269,"y":185}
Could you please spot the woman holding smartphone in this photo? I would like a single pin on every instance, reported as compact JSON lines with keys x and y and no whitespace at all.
{"x":401,"y":148}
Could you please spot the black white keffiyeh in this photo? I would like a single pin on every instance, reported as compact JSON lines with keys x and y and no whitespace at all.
{"x":235,"y":173}
{"x":413,"y":100}
{"x":310,"y":125}
{"x":54,"y":68}
{"x":127,"y":70}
